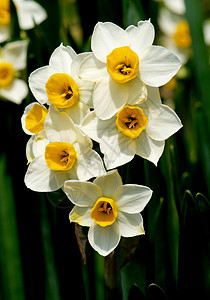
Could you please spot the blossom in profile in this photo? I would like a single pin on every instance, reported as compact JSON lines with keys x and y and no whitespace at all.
{"x":136,"y":129}
{"x":58,"y":84}
{"x":123,"y":62}
{"x":109,"y":208}
{"x":60,"y":152}
{"x":29,"y":14}
{"x":12,"y":60}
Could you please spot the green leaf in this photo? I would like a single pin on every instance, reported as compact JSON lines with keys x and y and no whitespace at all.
{"x":10,"y":260}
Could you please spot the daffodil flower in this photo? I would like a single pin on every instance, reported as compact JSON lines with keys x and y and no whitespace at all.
{"x":59,"y":84}
{"x":109,"y":208}
{"x":29,"y":14}
{"x":136,"y":129}
{"x":122,"y":63}
{"x":61,"y":152}
{"x":13,"y":59}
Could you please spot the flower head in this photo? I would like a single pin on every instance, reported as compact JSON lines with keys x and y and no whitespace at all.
{"x":12,"y":59}
{"x":136,"y":129}
{"x":109,"y":208}
{"x":123,"y":62}
{"x":59,"y":84}
{"x":58,"y":153}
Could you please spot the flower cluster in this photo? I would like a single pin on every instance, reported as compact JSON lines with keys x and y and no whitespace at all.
{"x":13,"y":55}
{"x":110,"y":96}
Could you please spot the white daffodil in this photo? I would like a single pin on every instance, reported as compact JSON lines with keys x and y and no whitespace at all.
{"x":136,"y":129}
{"x":122,"y":62}
{"x":68,"y":155}
{"x":33,"y":118}
{"x":13,"y":59}
{"x":5,"y":19}
{"x":59,"y":84}
{"x":109,"y":208}
{"x":29,"y":14}
{"x":175,"y":28}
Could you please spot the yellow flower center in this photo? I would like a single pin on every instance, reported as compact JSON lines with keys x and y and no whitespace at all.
{"x":104,"y":212}
{"x":62,"y":90}
{"x":6,"y":74}
{"x":182,"y":37}
{"x":34,"y":121}
{"x":122,"y":64}
{"x":131,"y":121}
{"x":60,"y":156}
{"x":4,"y":12}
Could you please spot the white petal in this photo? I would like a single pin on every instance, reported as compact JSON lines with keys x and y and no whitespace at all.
{"x":39,"y":144}
{"x":40,"y":178}
{"x":109,"y":97}
{"x":30,"y":13}
{"x":104,"y":239}
{"x":118,"y":149}
{"x":168,"y":22}
{"x":141,"y":36}
{"x":16,"y":54}
{"x":59,"y":127}
{"x":163,"y":122}
{"x":92,"y":69}
{"x":106,"y":37}
{"x":83,"y":194}
{"x":76,"y":62}
{"x":4,"y":33}
{"x":89,"y":165}
{"x":62,"y":58}
{"x":29,"y":149}
{"x":158,"y":65}
{"x":96,"y":129}
{"x":109,"y":183}
{"x":77,"y":112}
{"x":137,"y":91}
{"x":81,"y":216}
{"x":85,"y":91}
{"x":37,"y":81}
{"x":16,"y":92}
{"x":130,"y":224}
{"x":177,"y":6}
{"x":149,"y":148}
{"x":132,"y":198}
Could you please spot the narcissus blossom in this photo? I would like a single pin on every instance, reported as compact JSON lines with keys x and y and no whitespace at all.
{"x":123,"y":62}
{"x":13,"y":59}
{"x":59,"y":84}
{"x":136,"y":129}
{"x":61,"y":152}
{"x":29,"y":14}
{"x":109,"y":208}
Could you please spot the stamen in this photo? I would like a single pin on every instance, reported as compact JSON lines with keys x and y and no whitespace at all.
{"x":68,"y":93}
{"x":131,"y":121}
{"x":124,"y":68}
{"x":64,"y":156}
{"x":105,"y":208}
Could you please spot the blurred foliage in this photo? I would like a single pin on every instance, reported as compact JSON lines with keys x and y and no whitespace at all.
{"x":40,"y":257}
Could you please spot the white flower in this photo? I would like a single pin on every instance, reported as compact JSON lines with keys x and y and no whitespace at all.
{"x":141,"y":129}
{"x":122,"y":62}
{"x":60,"y":153}
{"x":59,"y":84}
{"x":12,"y":59}
{"x":110,"y":209}
{"x":29,"y":13}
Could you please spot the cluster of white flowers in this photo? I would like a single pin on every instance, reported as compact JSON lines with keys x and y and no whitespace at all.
{"x":111,"y":96}
{"x":13,"y":56}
